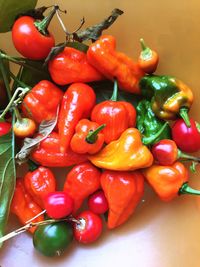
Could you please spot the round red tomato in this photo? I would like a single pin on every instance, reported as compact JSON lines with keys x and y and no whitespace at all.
{"x":98,"y":203}
{"x":4,"y":127}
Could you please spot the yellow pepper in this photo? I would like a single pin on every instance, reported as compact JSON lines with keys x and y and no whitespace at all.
{"x":125,"y":154}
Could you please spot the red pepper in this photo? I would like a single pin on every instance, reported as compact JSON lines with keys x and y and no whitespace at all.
{"x":116,"y":115}
{"x":78,"y":101}
{"x":71,"y":66}
{"x":115,"y":65}
{"x":42,"y":101}
{"x":48,"y":153}
{"x":87,"y":138}
{"x":82,"y":181}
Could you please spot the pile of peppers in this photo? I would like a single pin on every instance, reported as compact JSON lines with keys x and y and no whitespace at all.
{"x":111,"y":150}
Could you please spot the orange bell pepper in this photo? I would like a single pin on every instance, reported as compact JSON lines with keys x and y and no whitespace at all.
{"x":169,"y":181}
{"x":123,"y":191}
{"x":125,"y":154}
{"x":112,"y":64}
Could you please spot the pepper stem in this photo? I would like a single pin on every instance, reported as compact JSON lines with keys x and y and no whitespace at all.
{"x":115,"y":91}
{"x":22,"y":84}
{"x":43,"y":24}
{"x":32,"y":166}
{"x":151,"y":139}
{"x":182,"y":155}
{"x":198,"y":126}
{"x":184,"y":115}
{"x":143,"y":46}
{"x":186,"y":189}
{"x":91,"y":138}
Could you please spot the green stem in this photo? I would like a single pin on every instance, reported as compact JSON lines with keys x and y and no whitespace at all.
{"x":22,"y":84}
{"x":32,"y":166}
{"x":198,"y":126}
{"x":183,"y":112}
{"x":115,"y":91}
{"x":186,"y":189}
{"x":5,"y":78}
{"x":183,"y":155}
{"x":151,"y":139}
{"x":91,"y":138}
{"x":42,"y":25}
{"x":143,"y":46}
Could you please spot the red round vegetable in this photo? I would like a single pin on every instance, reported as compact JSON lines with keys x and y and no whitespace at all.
{"x":4,"y":127}
{"x":98,"y":203}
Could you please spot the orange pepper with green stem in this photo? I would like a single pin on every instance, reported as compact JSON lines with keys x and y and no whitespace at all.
{"x":169,"y":181}
{"x":123,"y":191}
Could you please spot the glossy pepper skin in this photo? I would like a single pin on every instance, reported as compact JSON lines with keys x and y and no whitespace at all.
{"x":125,"y":154}
{"x":24,"y":206}
{"x":169,"y":181}
{"x":42,"y":101}
{"x":112,"y":64}
{"x":48,"y":153}
{"x":85,"y":140}
{"x":123,"y":191}
{"x":71,"y":66}
{"x":82,"y":181}
{"x":170,"y":96}
{"x":77,"y":103}
{"x":148,"y":124}
{"x":116,"y":115}
{"x":39,"y":183}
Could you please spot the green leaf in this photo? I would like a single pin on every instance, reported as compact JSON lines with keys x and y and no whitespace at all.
{"x":45,"y":128}
{"x":94,"y":32}
{"x":9,"y":9}
{"x":7,"y":177}
{"x":104,"y":90}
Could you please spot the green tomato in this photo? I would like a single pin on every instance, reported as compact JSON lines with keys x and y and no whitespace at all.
{"x":52,"y":239}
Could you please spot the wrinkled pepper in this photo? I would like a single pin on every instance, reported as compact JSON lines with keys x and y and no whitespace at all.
{"x":77,"y":103}
{"x":88,"y":137}
{"x":42,"y":101}
{"x":125,"y":154}
{"x":24,"y":206}
{"x":112,"y":64}
{"x":71,"y":66}
{"x":116,"y":115}
{"x":123,"y":191}
{"x":169,"y":96}
{"x":169,"y":181}
{"x":82,"y":180}
{"x":39,"y":181}
{"x":149,"y":125}
{"x":48,"y":153}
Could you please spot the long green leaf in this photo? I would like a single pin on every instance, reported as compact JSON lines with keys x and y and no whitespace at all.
{"x":9,"y":9}
{"x":7,"y":177}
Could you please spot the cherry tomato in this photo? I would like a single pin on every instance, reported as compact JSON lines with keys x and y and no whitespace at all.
{"x":24,"y":128}
{"x":89,"y":229}
{"x":52,"y":239}
{"x":98,"y":203}
{"x":186,"y":138}
{"x":4,"y":127}
{"x":28,"y":41}
{"x":58,"y":204}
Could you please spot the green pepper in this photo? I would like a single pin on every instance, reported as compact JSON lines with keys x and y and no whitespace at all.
{"x":152,"y":128}
{"x":52,"y":239}
{"x":169,"y":96}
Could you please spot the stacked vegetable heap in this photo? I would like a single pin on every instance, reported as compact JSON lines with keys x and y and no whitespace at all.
{"x":62,"y":113}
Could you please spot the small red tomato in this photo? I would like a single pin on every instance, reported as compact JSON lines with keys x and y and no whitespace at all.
{"x":98,"y":203}
{"x":89,"y":229}
{"x":4,"y":127}
{"x":186,"y":138}
{"x":24,"y":128}
{"x":58,"y":204}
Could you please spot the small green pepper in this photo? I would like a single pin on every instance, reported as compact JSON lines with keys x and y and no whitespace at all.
{"x":169,"y":96}
{"x":152,"y":128}
{"x":52,"y":239}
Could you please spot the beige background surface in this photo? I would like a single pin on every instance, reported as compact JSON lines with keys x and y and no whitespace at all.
{"x":159,"y":234}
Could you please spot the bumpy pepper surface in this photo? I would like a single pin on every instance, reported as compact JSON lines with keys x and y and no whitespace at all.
{"x":112,"y":64}
{"x":42,"y":101}
{"x":24,"y":206}
{"x":48,"y":153}
{"x":170,"y":96}
{"x":71,"y":66}
{"x":125,"y":154}
{"x":123,"y":191}
{"x":169,"y":181}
